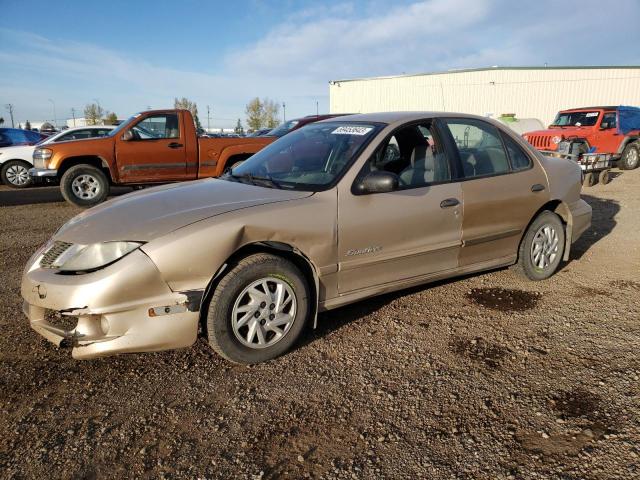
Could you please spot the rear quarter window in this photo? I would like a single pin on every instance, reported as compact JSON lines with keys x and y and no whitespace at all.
{"x":518,"y":158}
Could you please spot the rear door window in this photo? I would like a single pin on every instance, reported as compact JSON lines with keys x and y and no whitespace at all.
{"x":480,"y":147}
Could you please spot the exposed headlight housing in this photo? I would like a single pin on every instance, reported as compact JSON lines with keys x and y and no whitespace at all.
{"x":557,"y":139}
{"x":83,"y":258}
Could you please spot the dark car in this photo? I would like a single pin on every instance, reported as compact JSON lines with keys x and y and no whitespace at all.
{"x":295,"y":124}
{"x":10,"y":137}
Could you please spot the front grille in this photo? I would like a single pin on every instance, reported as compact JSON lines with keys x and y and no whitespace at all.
{"x":540,"y":141}
{"x":51,"y":255}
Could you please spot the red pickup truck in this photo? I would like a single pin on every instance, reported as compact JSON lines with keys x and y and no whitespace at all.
{"x":614,"y":130}
{"x":157,"y":146}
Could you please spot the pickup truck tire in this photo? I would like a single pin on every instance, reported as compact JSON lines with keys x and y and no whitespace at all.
{"x":84,"y":186}
{"x":542,"y":247}
{"x":630,"y":158}
{"x":15,"y":174}
{"x":258,"y":310}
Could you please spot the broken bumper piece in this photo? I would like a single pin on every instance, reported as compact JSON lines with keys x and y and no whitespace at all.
{"x":125,"y":307}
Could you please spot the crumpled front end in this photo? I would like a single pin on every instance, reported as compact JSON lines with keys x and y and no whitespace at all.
{"x":124,"y":307}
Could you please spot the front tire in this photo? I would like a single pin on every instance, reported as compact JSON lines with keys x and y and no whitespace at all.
{"x":542,"y":247}
{"x":630,"y":158}
{"x":15,"y":174}
{"x":84,"y":186}
{"x":258,"y":310}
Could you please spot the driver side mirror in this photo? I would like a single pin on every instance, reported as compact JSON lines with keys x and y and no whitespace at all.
{"x":127,"y":136}
{"x":376,"y":182}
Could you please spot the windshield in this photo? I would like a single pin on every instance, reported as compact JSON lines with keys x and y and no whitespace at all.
{"x":283,"y":129}
{"x":310,"y":158}
{"x":576,"y":119}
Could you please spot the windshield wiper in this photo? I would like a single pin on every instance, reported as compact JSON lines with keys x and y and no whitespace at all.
{"x":256,"y":180}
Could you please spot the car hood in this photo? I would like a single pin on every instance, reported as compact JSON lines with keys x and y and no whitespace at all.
{"x":559,"y":131}
{"x":17,"y":151}
{"x":151,"y":213}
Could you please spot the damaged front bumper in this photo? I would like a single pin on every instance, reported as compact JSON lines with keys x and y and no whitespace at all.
{"x":125,"y":307}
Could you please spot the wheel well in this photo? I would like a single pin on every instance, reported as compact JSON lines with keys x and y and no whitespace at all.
{"x":560,"y":209}
{"x":21,"y":160}
{"x":94,"y":161}
{"x":275,"y":248}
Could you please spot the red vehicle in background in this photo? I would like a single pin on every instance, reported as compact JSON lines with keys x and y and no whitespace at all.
{"x":606,"y":130}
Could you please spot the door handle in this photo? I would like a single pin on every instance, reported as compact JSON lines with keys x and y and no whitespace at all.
{"x":449,"y":202}
{"x":537,"y":187}
{"x":175,"y":145}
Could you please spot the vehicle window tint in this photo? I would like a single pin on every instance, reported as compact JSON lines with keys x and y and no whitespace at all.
{"x":100,"y":133}
{"x":17,"y":137}
{"x":32,"y":137}
{"x":78,"y":134}
{"x":310,"y":157}
{"x":519,"y":159}
{"x":609,"y":120}
{"x":480,"y":147}
{"x":157,"y":126}
{"x":413,"y":153}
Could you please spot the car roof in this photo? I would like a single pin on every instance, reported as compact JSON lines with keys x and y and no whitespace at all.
{"x":400,"y":117}
{"x":589,"y":108}
{"x":90,"y":127}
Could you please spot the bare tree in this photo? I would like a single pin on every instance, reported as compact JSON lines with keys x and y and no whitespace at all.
{"x":186,"y":104}
{"x":93,"y":113}
{"x":262,"y":113}
{"x":270,"y":113}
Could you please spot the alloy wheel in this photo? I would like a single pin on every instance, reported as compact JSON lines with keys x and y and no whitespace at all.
{"x":85,"y":186}
{"x":264,"y":312}
{"x":17,"y":175}
{"x":544,"y":248}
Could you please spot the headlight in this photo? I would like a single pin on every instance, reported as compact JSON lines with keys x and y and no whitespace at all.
{"x":42,"y":153}
{"x":557,"y":139}
{"x":79,"y":258}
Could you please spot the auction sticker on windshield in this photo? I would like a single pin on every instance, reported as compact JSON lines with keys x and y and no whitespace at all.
{"x":352,"y":130}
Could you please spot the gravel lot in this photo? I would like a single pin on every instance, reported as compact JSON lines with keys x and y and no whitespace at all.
{"x":488,"y":376}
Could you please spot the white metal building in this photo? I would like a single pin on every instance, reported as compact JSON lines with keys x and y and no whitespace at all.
{"x":528,"y":92}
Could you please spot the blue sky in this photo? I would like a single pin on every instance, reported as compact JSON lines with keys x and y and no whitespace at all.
{"x":133,"y":54}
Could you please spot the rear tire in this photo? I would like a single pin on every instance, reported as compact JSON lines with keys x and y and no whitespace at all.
{"x":84,"y":186}
{"x":542,"y":247}
{"x":258,"y":310}
{"x":604,"y":177}
{"x":630,"y":158}
{"x":15,"y":174}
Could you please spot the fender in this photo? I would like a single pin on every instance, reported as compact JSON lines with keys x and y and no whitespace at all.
{"x":65,"y":163}
{"x":242,"y":149}
{"x":626,"y":141}
{"x":266,"y":246}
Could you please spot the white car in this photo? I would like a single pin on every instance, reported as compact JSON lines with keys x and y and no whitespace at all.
{"x":15,"y":162}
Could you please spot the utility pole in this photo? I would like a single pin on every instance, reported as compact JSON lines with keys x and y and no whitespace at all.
{"x":317,"y":110}
{"x":55,"y":120}
{"x":208,"y":120}
{"x":73,"y":114}
{"x":284,"y":113}
{"x":9,"y":107}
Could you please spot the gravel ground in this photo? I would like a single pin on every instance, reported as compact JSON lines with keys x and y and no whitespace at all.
{"x":488,"y":376}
